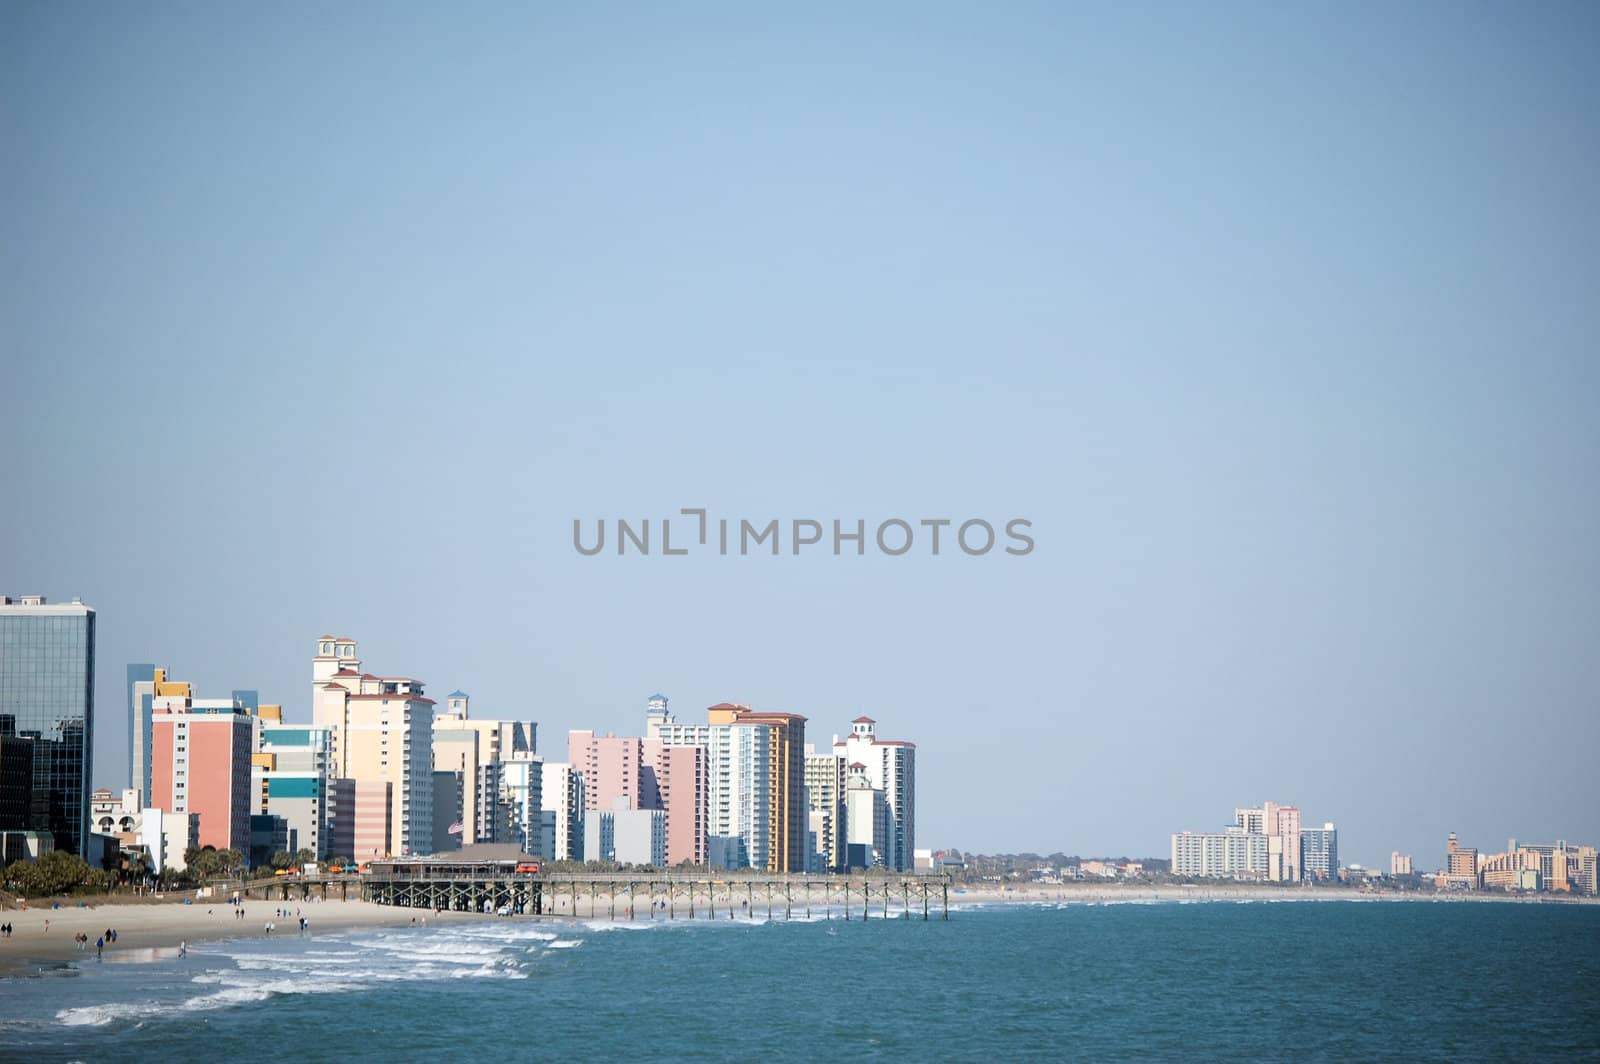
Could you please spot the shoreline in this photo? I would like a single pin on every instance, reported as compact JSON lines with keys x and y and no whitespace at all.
{"x":149,"y":930}
{"x":1087,"y":893}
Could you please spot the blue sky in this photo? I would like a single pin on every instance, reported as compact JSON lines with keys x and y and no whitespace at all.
{"x":1276,"y":320}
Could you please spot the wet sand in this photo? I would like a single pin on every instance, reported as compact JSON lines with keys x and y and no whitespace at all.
{"x":150,"y":928}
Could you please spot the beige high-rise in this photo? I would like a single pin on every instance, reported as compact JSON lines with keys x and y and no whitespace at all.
{"x":380,"y":731}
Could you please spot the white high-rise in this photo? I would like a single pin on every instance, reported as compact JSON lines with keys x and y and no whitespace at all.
{"x":738,"y":795}
{"x":891,"y":767}
{"x":562,"y":796}
{"x":825,"y":785}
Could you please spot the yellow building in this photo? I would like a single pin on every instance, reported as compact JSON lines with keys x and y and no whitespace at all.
{"x":787,"y":809}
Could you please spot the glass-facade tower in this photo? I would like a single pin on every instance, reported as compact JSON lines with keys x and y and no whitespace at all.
{"x":47,"y":698}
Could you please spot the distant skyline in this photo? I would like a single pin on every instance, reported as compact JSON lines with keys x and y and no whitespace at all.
{"x":1277,"y":323}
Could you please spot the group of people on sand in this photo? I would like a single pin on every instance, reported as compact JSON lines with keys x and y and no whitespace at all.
{"x":5,"y":930}
{"x":100,"y":944}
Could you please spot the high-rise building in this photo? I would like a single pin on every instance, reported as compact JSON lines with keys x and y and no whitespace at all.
{"x":380,"y":730}
{"x":825,"y":784}
{"x":449,"y":823}
{"x":473,"y":748}
{"x":47,"y":698}
{"x":521,"y":800}
{"x":646,"y":774}
{"x":562,"y":792}
{"x":289,"y":778}
{"x":1461,"y":863}
{"x":1319,"y":852}
{"x":891,"y":766}
{"x":738,"y":794}
{"x":1281,"y":825}
{"x":613,"y":767}
{"x":200,"y":764}
{"x":819,"y":829}
{"x":360,"y":818}
{"x":145,"y":683}
{"x":16,"y":780}
{"x":1283,"y":822}
{"x":497,"y":738}
{"x":1231,"y":854}
{"x":869,"y":835}
{"x":1253,"y":821}
{"x":141,"y":690}
{"x":456,"y":753}
{"x":494,"y":817}
{"x":1399,"y":864}
{"x":1557,"y":867}
{"x":676,"y":778}
{"x":787,"y":808}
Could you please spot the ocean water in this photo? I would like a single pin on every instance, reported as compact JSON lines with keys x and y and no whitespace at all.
{"x":1263,"y":980}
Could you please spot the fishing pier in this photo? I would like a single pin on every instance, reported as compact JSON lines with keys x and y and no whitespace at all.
{"x":513,"y":887}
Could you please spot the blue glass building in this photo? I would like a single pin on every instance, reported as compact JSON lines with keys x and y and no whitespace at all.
{"x":47,"y":698}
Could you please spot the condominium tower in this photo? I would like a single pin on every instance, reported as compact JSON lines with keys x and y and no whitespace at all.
{"x":380,"y":731}
{"x":47,"y":699}
{"x":200,"y":764}
{"x":891,"y":767}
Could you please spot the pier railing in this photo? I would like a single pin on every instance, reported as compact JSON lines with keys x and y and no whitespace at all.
{"x":659,"y":895}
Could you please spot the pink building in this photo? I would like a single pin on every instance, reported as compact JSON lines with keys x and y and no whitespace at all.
{"x":612,"y":767}
{"x":360,"y":818}
{"x":1283,"y":824}
{"x":200,"y":765}
{"x":646,"y":774}
{"x":679,"y":780}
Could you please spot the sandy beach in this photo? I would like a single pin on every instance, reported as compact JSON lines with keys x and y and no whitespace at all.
{"x":149,"y":928}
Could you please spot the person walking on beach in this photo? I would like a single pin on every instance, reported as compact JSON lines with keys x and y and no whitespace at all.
{"x":99,"y":947}
{"x":183,"y":949}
